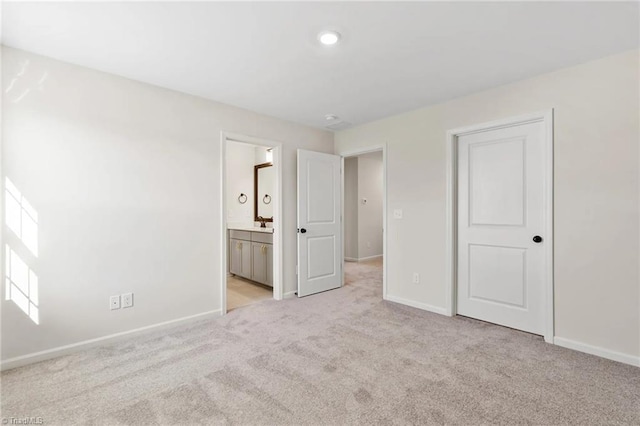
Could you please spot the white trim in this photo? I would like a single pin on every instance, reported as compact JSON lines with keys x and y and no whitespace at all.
{"x":419,"y":305}
{"x":355,"y":153}
{"x":597,"y":351}
{"x":362,"y":259}
{"x":342,"y":247}
{"x":85,"y":344}
{"x":290,"y":294}
{"x":546,"y":117}
{"x":278,"y":284}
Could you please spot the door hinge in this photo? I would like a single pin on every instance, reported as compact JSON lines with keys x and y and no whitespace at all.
{"x":296,"y":269}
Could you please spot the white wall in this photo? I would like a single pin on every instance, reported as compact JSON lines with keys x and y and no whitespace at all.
{"x":240,"y":162}
{"x":596,"y":193}
{"x":370,"y":214}
{"x":126,"y":180}
{"x":261,"y":155}
{"x":351,"y":208}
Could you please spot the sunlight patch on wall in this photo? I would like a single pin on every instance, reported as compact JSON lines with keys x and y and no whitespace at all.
{"x":21,"y":284}
{"x":21,"y":217}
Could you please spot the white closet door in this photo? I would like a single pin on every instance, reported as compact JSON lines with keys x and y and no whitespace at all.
{"x":501,"y":258}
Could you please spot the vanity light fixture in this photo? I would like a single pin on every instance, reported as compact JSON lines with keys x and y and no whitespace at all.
{"x":329,"y":38}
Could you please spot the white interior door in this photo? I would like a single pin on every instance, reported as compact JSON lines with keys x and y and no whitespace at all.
{"x":319,"y":210}
{"x":501,"y":256}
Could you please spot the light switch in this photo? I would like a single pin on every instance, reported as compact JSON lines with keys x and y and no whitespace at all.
{"x":397,"y":214}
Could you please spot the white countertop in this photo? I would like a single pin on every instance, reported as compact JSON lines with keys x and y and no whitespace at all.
{"x":251,"y":228}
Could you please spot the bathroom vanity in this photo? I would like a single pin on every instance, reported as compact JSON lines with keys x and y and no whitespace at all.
{"x":251,"y":254}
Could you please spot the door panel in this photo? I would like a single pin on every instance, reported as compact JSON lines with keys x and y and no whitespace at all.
{"x":496,"y":178}
{"x":320,"y":257}
{"x":500,"y":210}
{"x":511,"y":288}
{"x":320,"y":185}
{"x":319,"y":222}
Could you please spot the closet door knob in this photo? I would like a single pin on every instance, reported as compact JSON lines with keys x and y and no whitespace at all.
{"x":537,"y":239}
{"x":303,"y":231}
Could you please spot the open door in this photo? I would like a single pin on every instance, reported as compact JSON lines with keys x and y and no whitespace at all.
{"x":319,"y":222}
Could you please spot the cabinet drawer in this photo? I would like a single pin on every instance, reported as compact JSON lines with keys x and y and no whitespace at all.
{"x":261,"y":237}
{"x":240,"y":235}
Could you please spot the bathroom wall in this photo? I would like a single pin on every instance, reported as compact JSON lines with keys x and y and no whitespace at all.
{"x":239,"y":179}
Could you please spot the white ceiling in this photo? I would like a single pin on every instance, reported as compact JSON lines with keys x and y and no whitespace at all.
{"x":394,"y":57}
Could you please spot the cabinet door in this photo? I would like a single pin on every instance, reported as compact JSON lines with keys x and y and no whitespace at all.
{"x":240,"y":258}
{"x":259,"y":272}
{"x":269,"y":250}
{"x":235,"y":257}
{"x":245,"y":248}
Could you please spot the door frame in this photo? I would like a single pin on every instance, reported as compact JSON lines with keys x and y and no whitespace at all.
{"x":355,"y":153}
{"x":278,"y":285}
{"x":546,"y":118}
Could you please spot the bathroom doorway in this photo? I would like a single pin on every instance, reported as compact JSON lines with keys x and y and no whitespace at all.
{"x":250,"y":226}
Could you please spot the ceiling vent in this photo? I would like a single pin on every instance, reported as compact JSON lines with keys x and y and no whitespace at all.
{"x":338,"y":125}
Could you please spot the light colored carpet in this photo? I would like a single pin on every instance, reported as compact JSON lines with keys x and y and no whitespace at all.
{"x":241,"y":292}
{"x":340,"y":357}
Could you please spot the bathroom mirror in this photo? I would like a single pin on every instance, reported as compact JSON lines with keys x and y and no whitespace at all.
{"x":263,"y":184}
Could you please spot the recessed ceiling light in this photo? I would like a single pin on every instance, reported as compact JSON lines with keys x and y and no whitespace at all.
{"x":330,"y":117}
{"x":329,"y":38}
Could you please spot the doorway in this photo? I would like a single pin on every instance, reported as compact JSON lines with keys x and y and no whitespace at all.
{"x":500,"y":223}
{"x":364,"y":218}
{"x":251,"y":215}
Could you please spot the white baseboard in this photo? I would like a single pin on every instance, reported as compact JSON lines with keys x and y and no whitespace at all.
{"x":560,"y":341}
{"x":419,"y":305}
{"x":86,"y":344}
{"x":361,"y":259}
{"x":598,"y":351}
{"x":369,"y":257}
{"x":290,"y":294}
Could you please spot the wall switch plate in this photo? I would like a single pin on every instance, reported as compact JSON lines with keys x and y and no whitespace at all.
{"x":127,"y":300}
{"x":416,"y":278}
{"x":397,"y":214}
{"x":114,"y":302}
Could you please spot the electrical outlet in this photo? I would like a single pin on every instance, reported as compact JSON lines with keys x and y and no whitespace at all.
{"x":127,"y":300}
{"x":114,"y":302}
{"x":416,"y":278}
{"x":397,"y":214}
